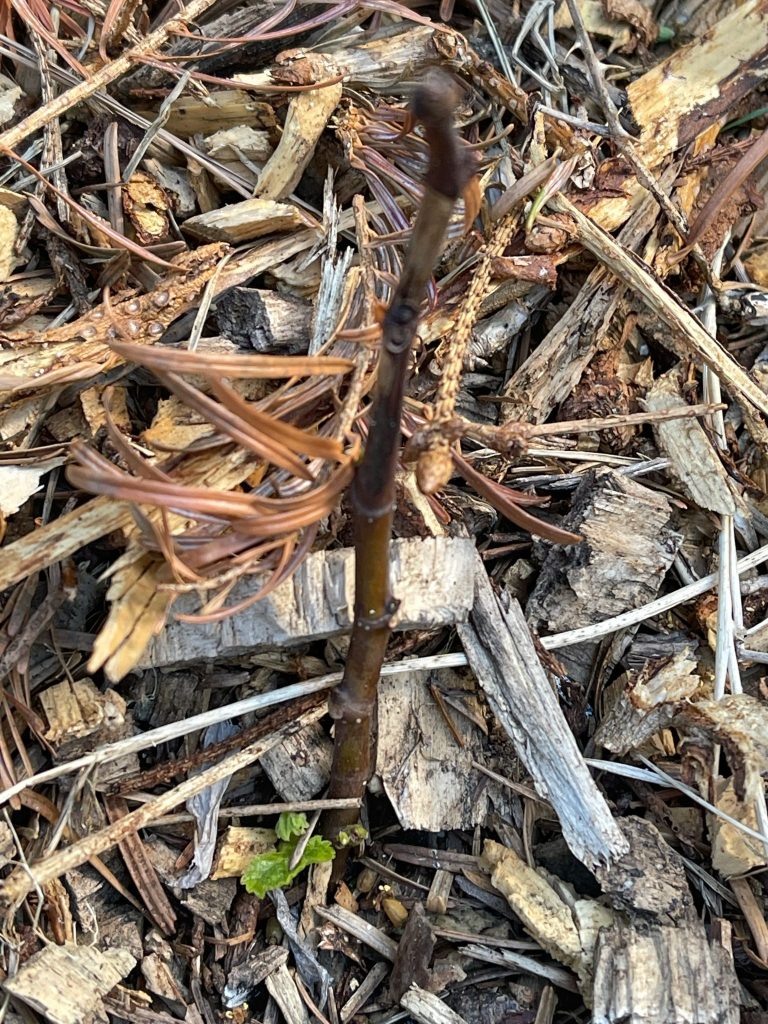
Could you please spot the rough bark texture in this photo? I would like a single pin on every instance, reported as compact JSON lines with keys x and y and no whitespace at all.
{"x":664,"y":975}
{"x":629,"y":544}
{"x":435,"y":588}
{"x":265,"y":320}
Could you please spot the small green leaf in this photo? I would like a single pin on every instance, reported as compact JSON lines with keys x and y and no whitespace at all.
{"x":665,"y":34}
{"x":267,"y":871}
{"x":271,"y":871}
{"x":291,"y":824}
{"x":317,"y":851}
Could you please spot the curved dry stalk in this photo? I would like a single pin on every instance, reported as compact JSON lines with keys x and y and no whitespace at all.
{"x":247,"y":513}
{"x":508,"y":501}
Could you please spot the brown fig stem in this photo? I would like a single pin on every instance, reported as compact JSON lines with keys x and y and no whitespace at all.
{"x":353,"y":703}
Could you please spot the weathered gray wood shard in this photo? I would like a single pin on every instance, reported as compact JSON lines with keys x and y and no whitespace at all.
{"x":419,"y":756}
{"x":685,"y":442}
{"x":427,"y":1008}
{"x":66,"y":983}
{"x":664,"y":975}
{"x":503,"y":657}
{"x":629,"y":544}
{"x":432,"y":578}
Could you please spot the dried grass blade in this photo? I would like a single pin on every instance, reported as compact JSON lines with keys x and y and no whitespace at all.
{"x":503,"y":501}
{"x":247,"y":513}
{"x":92,"y":472}
{"x":304,"y":511}
{"x":142,"y":870}
{"x":243,"y":367}
{"x":295,"y":439}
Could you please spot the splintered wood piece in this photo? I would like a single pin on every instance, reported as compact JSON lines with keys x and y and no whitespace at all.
{"x":300,"y":767}
{"x":414,"y":953}
{"x":308,"y":114}
{"x":628,"y":546}
{"x":66,"y":983}
{"x":283,"y":990}
{"x":503,"y":657}
{"x":434,"y":586}
{"x":9,"y":230}
{"x":230,"y":144}
{"x":243,"y":221}
{"x":690,"y":94}
{"x":439,"y":891}
{"x":7,"y":844}
{"x":754,"y":914}
{"x":17,"y":483}
{"x":597,"y":22}
{"x":427,"y":1008}
{"x":265,"y":320}
{"x":160,"y":973}
{"x":647,"y":702}
{"x":237,"y":847}
{"x":248,"y":975}
{"x":365,"y":990}
{"x":650,"y":878}
{"x":698,"y":84}
{"x":738,"y":723}
{"x":222,"y":109}
{"x":685,"y":442}
{"x":734,"y":852}
{"x":546,"y":917}
{"x":60,"y":538}
{"x":82,"y":719}
{"x":663,"y":975}
{"x":138,"y":610}
{"x":545,"y":1012}
{"x":378,"y":64}
{"x":360,"y":929}
{"x":419,"y":741}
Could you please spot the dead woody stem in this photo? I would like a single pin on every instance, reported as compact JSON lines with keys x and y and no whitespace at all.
{"x":373,"y":490}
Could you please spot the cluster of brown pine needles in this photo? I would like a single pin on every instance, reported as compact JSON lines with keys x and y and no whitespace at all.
{"x":228,"y":534}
